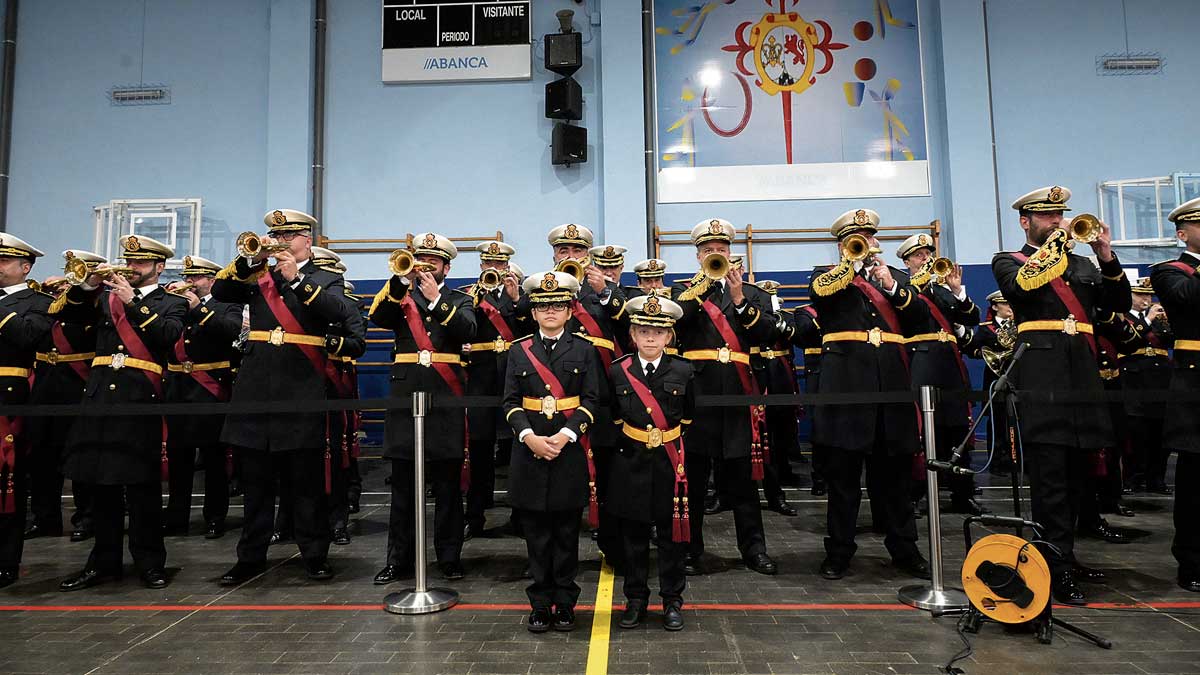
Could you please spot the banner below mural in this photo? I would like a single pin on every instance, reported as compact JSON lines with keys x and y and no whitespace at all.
{"x":789,"y":99}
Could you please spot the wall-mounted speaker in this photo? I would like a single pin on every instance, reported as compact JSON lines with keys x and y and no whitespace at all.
{"x":564,"y":99}
{"x":564,"y":52}
{"x":569,"y":145}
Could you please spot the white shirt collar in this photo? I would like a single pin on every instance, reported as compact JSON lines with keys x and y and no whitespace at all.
{"x":552,"y":337}
{"x":147,"y":290}
{"x":644,"y":362}
{"x":206,"y":298}
{"x":15,"y":288}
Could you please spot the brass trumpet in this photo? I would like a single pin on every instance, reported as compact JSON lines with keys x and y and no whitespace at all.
{"x":856,"y":247}
{"x":1086,"y":228}
{"x":575,"y":267}
{"x":715,"y":266}
{"x":491,"y":279}
{"x":77,"y":271}
{"x":181,"y":289}
{"x":401,"y":262}
{"x":940,"y":268}
{"x":250,"y":245}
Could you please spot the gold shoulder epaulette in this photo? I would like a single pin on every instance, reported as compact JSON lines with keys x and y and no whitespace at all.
{"x":834,"y":280}
{"x":1047,"y":264}
{"x":230,"y":272}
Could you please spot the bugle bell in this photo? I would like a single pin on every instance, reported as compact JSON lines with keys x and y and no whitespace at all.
{"x":76,"y":271}
{"x":856,"y":247}
{"x":940,"y":268}
{"x":181,"y":289}
{"x":401,"y":262}
{"x":1086,"y":228}
{"x":491,"y":279}
{"x":715,"y":266}
{"x":574,"y":266}
{"x":250,"y":245}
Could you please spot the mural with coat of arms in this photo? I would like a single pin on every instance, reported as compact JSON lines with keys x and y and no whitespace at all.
{"x":789,"y":99}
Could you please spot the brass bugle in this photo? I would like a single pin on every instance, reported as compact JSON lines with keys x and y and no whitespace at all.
{"x":182,"y":288}
{"x":76,"y":271}
{"x":491,"y":279}
{"x":715,"y":266}
{"x":250,"y":245}
{"x":574,"y":266}
{"x":1086,"y":228}
{"x":856,"y":247}
{"x":940,"y":268}
{"x":401,"y":263}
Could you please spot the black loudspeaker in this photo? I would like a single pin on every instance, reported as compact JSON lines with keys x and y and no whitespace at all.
{"x":569,"y":145}
{"x":564,"y":99}
{"x":564,"y":52}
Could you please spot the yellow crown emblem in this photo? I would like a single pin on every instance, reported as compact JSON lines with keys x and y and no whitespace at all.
{"x":714,"y":226}
{"x":1056,"y":195}
{"x":278,"y":218}
{"x":651,"y":308}
{"x":549,"y":282}
{"x":430,"y":241}
{"x":493,"y":248}
{"x":67,"y":255}
{"x":572,"y":231}
{"x":609,"y":252}
{"x":860,"y":217}
{"x":132,"y":244}
{"x":652,"y":265}
{"x":187,"y":261}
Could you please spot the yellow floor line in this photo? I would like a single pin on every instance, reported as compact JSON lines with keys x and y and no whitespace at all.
{"x":597,"y":663}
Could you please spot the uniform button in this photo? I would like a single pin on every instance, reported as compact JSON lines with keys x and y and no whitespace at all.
{"x":120,"y":348}
{"x":649,"y":411}
{"x":112,"y":387}
{"x":547,"y":387}
{"x":187,"y":342}
{"x":10,"y":388}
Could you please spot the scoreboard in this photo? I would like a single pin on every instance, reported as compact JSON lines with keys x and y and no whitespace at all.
{"x":456,"y":40}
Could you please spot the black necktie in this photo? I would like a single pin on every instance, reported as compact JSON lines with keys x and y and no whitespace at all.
{"x":549,"y":343}
{"x":649,"y":370}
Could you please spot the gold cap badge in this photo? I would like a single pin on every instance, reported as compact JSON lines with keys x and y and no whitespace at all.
{"x":549,"y":282}
{"x":860,"y":217}
{"x":132,"y":244}
{"x":278,"y":218}
{"x":1056,"y":195}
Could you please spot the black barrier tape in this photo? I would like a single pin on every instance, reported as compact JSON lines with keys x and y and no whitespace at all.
{"x":724,"y":401}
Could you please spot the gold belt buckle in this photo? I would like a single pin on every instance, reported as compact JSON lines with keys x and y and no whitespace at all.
{"x":425,"y":357}
{"x":1070,"y":325}
{"x":276,"y":337}
{"x":52,"y":357}
{"x":187,"y":366}
{"x":549,"y":406}
{"x":498,"y":345}
{"x":875,"y":337}
{"x":118,"y":361}
{"x":723,"y":354}
{"x":653,"y":437}
{"x":943,"y":336}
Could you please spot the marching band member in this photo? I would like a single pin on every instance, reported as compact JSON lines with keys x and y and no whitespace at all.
{"x":551,"y":392}
{"x":1147,"y":369}
{"x":1057,"y":297}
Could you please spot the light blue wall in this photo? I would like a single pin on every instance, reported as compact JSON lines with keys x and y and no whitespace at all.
{"x":73,"y":150}
{"x":467,"y":159}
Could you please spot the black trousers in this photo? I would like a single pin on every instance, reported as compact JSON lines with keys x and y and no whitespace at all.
{"x":442,"y":476}
{"x":1057,"y":482}
{"x":339,"y":492}
{"x":483,"y":480}
{"x":144,"y":502}
{"x":12,"y":525}
{"x":1186,"y":546}
{"x":46,"y":490}
{"x":353,"y":481}
{"x":889,"y":486}
{"x":1149,"y":457}
{"x":740,"y":492}
{"x":181,"y":463}
{"x":635,"y":539}
{"x":817,"y":468}
{"x":552,"y":542}
{"x":304,"y":471}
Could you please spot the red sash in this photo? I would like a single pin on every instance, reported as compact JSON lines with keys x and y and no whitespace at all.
{"x":497,"y":321}
{"x":681,"y":529}
{"x":288,"y":321}
{"x":210,"y":383}
{"x":1182,"y":266}
{"x":556,"y":390}
{"x":82,"y":368}
{"x":885,"y":309}
{"x":10,"y":428}
{"x":593,"y":329}
{"x":758,"y":449}
{"x":412,"y":316}
{"x":946,"y":328}
{"x":1069,"y":300}
{"x":139,"y":350}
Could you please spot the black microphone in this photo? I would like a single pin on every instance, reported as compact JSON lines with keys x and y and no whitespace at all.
{"x":952,"y":468}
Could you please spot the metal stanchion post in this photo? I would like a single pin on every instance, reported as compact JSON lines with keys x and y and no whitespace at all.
{"x":420,"y":600}
{"x":934,"y":597}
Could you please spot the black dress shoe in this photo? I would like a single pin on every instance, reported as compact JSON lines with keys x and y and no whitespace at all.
{"x":761,"y":563}
{"x":34,"y":531}
{"x":714,"y":505}
{"x":968,"y":506}
{"x":1189,"y":582}
{"x":564,"y":619}
{"x":9,"y":577}
{"x":154,"y":578}
{"x":1159,"y":489}
{"x":318,"y":570}
{"x":1101,"y":530}
{"x":214,"y":530}
{"x":354,"y":506}
{"x":1065,"y":589}
{"x":634,"y":614}
{"x":278,"y":537}
{"x":818,"y":488}
{"x":782,"y":507}
{"x":86,"y":579}
{"x":470,"y":531}
{"x":833,"y":569}
{"x":673,"y":616}
{"x":242,"y":572}
{"x":1089,"y":574}
{"x":917,"y":567}
{"x":341,"y":536}
{"x":452,"y":570}
{"x":391,"y":573}
{"x":539,"y":621}
{"x":691,"y":565}
{"x":82,"y":534}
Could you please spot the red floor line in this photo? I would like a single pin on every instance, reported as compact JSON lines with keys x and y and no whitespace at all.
{"x":703,"y":607}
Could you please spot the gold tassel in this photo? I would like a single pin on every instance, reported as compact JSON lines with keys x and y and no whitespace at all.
{"x":834,"y":280}
{"x":230,"y":272}
{"x":1047,"y":264}
{"x":58,"y":304}
{"x":699,"y":286}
